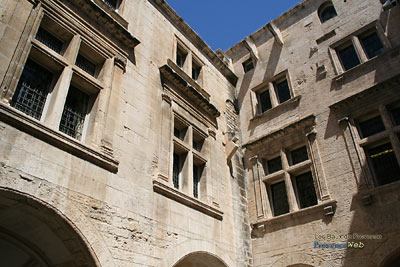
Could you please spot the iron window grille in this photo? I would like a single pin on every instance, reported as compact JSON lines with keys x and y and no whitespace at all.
{"x":74,"y":113}
{"x":385,"y":167}
{"x":306,"y":190}
{"x":86,"y":65}
{"x":49,"y":40}
{"x":31,"y":93}
{"x":279,"y":198}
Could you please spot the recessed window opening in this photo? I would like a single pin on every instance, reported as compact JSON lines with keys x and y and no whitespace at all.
{"x":198,"y":141}
{"x":395,"y":116}
{"x":372,"y":45}
{"x":113,"y":4}
{"x":74,"y":113}
{"x":196,"y":69}
{"x":181,"y":55}
{"x":282,"y":90}
{"x":273,"y":165}
{"x":279,"y":198}
{"x":197,"y":173}
{"x":264,"y":100}
{"x":298,"y":155}
{"x":32,"y":89}
{"x":305,"y":190}
{"x":385,"y":167}
{"x":371,"y":126}
{"x":348,"y":57}
{"x":248,"y":65}
{"x":180,"y":129}
{"x":326,"y":12}
{"x":85,"y":64}
{"x":49,"y":40}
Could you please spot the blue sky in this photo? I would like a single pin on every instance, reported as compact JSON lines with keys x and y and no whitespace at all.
{"x":223,"y":23}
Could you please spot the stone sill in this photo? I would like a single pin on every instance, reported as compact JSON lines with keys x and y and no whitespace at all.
{"x":298,"y":213}
{"x":286,"y":103}
{"x":165,"y":189}
{"x":37,"y":129}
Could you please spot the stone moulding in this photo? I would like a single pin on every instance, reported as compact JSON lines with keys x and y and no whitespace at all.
{"x":164,"y":189}
{"x":328,"y":208}
{"x":116,"y":26}
{"x":58,"y":139}
{"x":197,"y":98}
{"x":307,"y":121}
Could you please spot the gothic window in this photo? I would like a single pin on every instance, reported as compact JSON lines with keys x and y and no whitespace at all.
{"x":326,"y":11}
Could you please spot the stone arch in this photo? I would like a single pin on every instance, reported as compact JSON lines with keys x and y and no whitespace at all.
{"x":178,"y":255}
{"x":49,"y":236}
{"x":326,"y":11}
{"x":301,"y":260}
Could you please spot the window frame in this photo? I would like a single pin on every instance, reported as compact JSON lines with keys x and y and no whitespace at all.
{"x":323,"y":8}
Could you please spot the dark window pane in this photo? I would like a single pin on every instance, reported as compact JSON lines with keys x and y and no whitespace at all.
{"x":195,"y":72}
{"x":328,"y":13}
{"x":198,"y":144}
{"x":299,"y":155}
{"x":279,"y":198}
{"x":265,"y":101}
{"x":306,"y":190}
{"x":86,"y":65}
{"x":348,"y":57}
{"x":111,"y":3}
{"x":372,"y":45}
{"x":274,"y":165}
{"x":176,"y":170}
{"x":49,"y":40}
{"x":176,"y":133}
{"x":371,"y":127}
{"x":248,"y":65}
{"x":180,"y":58}
{"x":282,"y":91}
{"x":75,"y":110}
{"x":31,"y":93}
{"x":395,"y":116}
{"x":384,"y":164}
{"x":197,"y":170}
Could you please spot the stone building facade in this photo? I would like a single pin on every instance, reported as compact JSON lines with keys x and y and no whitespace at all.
{"x":127,"y":141}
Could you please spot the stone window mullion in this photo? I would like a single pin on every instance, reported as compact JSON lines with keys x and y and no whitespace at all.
{"x":288,"y":182}
{"x":359,"y":49}
{"x":389,"y":128}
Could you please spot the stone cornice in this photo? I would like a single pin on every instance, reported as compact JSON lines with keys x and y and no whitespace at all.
{"x":169,"y":76}
{"x":374,"y":90}
{"x":114,"y":25}
{"x":307,"y":121}
{"x":196,"y":40}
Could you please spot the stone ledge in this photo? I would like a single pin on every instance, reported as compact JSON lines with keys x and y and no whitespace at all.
{"x":327,"y":207}
{"x":56,"y":138}
{"x":286,"y":103}
{"x":170,"y":192}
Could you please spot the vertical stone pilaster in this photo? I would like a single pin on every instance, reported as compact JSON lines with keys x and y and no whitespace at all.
{"x":165,"y":151}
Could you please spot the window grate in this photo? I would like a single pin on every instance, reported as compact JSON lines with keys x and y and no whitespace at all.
{"x":299,"y":155}
{"x":73,"y":116}
{"x":372,"y":45}
{"x":283,"y":91}
{"x":86,"y":65}
{"x":279,"y":198}
{"x":176,"y":170}
{"x":306,"y":190}
{"x":348,"y":57}
{"x":49,"y":40}
{"x":31,"y":93}
{"x":265,"y":101}
{"x":371,"y":127}
{"x":385,"y":166}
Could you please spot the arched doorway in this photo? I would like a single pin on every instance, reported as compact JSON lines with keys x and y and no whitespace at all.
{"x":200,"y":259}
{"x":32,"y":234}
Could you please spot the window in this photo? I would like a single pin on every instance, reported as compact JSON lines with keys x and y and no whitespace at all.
{"x":348,"y":56}
{"x":181,"y":55}
{"x":382,"y":159}
{"x":113,"y":4}
{"x":282,"y":90}
{"x":49,"y":40}
{"x":74,"y":113}
{"x":85,"y":64}
{"x":196,"y":69}
{"x":264,"y":101}
{"x":31,"y":93}
{"x":326,"y":12}
{"x":248,"y":65}
{"x":293,"y":169}
{"x":358,"y":48}
{"x":189,"y":162}
{"x":279,"y":198}
{"x":372,"y":45}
